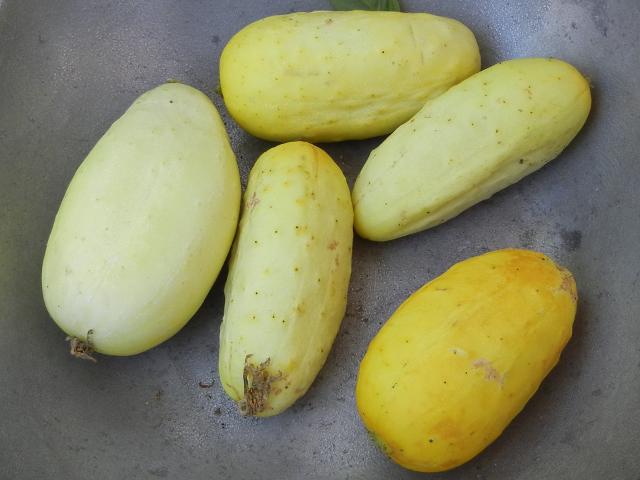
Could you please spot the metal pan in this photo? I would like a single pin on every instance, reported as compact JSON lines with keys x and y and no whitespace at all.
{"x":68,"y":68}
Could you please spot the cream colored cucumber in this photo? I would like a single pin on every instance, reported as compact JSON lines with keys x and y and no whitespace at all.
{"x":330,"y":76}
{"x":477,"y":138}
{"x":286,"y":292}
{"x":145,"y":225}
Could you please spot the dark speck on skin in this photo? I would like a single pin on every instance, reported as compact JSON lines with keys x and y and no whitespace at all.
{"x":571,"y":239}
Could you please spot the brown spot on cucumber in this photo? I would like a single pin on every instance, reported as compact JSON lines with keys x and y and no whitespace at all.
{"x":568,"y":284}
{"x":490,"y":372}
{"x":252,"y":202}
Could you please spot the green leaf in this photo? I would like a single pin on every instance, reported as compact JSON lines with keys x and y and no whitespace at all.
{"x":384,"y":5}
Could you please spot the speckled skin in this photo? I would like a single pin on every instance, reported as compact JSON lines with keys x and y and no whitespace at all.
{"x":461,"y":356}
{"x":71,"y":67}
{"x":479,"y":137}
{"x":329,"y":76}
{"x":286,"y":293}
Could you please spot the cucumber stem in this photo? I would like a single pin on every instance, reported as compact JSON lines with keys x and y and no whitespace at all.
{"x":82,"y":349}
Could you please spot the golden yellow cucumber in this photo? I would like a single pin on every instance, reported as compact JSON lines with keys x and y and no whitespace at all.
{"x":461,"y":357}
{"x":477,"y":138}
{"x":330,"y":76}
{"x":145,"y":225}
{"x":286,"y":292}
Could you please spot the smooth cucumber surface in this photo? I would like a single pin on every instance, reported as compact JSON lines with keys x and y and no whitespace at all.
{"x":145,"y":224}
{"x":331,"y":76}
{"x":462,"y":356}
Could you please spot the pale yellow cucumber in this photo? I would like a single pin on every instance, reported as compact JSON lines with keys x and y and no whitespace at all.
{"x":145,"y":224}
{"x":329,"y":76}
{"x":286,"y":292}
{"x":477,"y":138}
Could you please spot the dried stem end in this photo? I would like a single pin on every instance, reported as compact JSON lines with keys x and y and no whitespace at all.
{"x":257,"y":386}
{"x":82,"y":348}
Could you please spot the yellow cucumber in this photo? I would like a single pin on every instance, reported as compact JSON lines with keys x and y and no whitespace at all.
{"x":330,"y":76}
{"x":477,"y":138}
{"x":145,"y":225}
{"x":462,"y":356}
{"x":286,"y":292}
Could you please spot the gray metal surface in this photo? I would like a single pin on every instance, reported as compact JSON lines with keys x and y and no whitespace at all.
{"x":68,"y":68}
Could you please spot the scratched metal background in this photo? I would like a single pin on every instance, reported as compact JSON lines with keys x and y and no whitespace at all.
{"x":68,"y":68}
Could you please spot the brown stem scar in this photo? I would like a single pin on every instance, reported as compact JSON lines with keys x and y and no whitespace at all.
{"x":82,"y":349}
{"x":490,"y":372}
{"x":257,"y":386}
